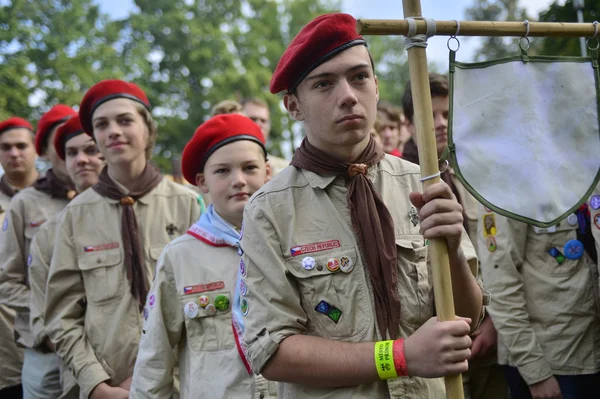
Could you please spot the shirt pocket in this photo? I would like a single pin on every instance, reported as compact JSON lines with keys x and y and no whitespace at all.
{"x":335,"y":302}
{"x":543,"y":259}
{"x":103,"y":275}
{"x":209,"y":332}
{"x":415,"y":282}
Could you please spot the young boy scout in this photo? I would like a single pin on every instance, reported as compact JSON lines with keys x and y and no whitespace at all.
{"x":545,"y":302}
{"x":17,"y":157}
{"x":84,"y":164}
{"x":102,"y":266}
{"x":189,"y":305}
{"x":334,"y":249}
{"x":29,"y":209}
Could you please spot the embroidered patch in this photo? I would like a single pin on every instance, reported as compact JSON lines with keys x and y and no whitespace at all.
{"x":29,"y":260}
{"x":595,"y":202}
{"x":243,"y":267}
{"x":151,"y":301}
{"x":556,"y":254}
{"x":330,"y":311}
{"x":413,"y":215}
{"x":196,"y":289}
{"x":489,"y":225}
{"x":5,"y":224}
{"x":171,"y":229}
{"x":243,"y":288}
{"x":315,"y":247}
{"x":101,"y":247}
{"x":37,"y":224}
{"x":244,"y":306}
{"x":490,"y":243}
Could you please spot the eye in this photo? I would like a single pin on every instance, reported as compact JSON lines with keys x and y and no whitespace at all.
{"x":100,"y":125}
{"x":251,"y":167}
{"x":91,"y":150}
{"x":22,"y":146}
{"x":361,"y":76}
{"x":321,"y":85}
{"x":221,"y":171}
{"x":71,"y":153}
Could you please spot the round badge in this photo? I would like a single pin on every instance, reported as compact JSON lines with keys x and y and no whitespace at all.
{"x":146,"y":313}
{"x":151,"y":301}
{"x":203,"y":301}
{"x":308,"y":263}
{"x":573,"y":249}
{"x":244,"y":306}
{"x":210,"y":309}
{"x":243,"y":288}
{"x":346,"y":264}
{"x":490,"y":243}
{"x":333,"y":265}
{"x":221,"y":303}
{"x":572,"y":220}
{"x":595,"y":202}
{"x":243,"y":267}
{"x":191,"y":310}
{"x":597,"y":220}
{"x":240,"y":251}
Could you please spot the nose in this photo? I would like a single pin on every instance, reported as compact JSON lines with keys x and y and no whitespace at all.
{"x":387,"y":133}
{"x":13,"y":152}
{"x":440,"y":121}
{"x":82,"y":158}
{"x":114,"y":130}
{"x":347,"y":97}
{"x":238,"y":178}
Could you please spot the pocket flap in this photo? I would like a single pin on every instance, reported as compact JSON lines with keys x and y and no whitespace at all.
{"x":322,"y":264}
{"x":98,"y":259}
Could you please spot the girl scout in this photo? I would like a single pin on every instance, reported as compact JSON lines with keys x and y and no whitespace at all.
{"x":189,"y":305}
{"x":108,"y":242}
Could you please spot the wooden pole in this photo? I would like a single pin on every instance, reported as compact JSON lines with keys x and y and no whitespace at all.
{"x":477,"y":28}
{"x":428,"y":158}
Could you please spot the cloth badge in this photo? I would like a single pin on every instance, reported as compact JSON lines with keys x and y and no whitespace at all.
{"x":315,"y":247}
{"x":490,"y":243}
{"x":489,"y":225}
{"x":244,"y":306}
{"x":413,"y":215}
{"x":151,"y":301}
{"x":243,"y":288}
{"x":308,"y":263}
{"x":221,"y":303}
{"x":101,"y":247}
{"x":329,"y":310}
{"x":199,"y":288}
{"x":243,"y":267}
{"x":595,"y":202}
{"x":597,"y":220}
{"x":333,"y":265}
{"x":203,"y":301}
{"x":574,"y":249}
{"x":5,"y":224}
{"x":556,"y":254}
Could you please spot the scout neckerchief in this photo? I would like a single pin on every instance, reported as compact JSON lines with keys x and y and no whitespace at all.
{"x":132,"y":241}
{"x":6,"y":187}
{"x":372,"y":222}
{"x":54,"y":187}
{"x":214,"y":230}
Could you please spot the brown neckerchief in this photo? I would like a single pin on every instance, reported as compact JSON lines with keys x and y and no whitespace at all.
{"x":132,"y":241}
{"x":372,"y":223}
{"x":54,"y":187}
{"x":6,"y":187}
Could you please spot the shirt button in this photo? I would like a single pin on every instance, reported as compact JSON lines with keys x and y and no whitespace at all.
{"x":262,"y":396}
{"x":99,"y":260}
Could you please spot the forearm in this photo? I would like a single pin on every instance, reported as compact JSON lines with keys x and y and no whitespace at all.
{"x":321,"y":362}
{"x":468,"y":299}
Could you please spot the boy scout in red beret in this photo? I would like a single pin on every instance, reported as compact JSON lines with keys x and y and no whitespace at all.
{"x":189,"y":305}
{"x":339,"y":300}
{"x":102,"y":266}
{"x":29,"y":209}
{"x":17,"y":157}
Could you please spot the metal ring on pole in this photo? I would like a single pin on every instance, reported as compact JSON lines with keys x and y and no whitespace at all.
{"x":454,"y":37}
{"x":525,"y":44}
{"x":595,"y":37}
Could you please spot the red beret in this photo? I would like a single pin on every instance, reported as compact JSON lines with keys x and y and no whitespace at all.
{"x":57,"y":115}
{"x":104,"y":91}
{"x":66,"y":132}
{"x":323,"y":38}
{"x":14,"y":123}
{"x":214,"y":134}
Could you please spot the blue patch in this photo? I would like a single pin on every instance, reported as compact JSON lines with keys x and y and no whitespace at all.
{"x":574,"y":249}
{"x":29,"y":260}
{"x":5,"y":224}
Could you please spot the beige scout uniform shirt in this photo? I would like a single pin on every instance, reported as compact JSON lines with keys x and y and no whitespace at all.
{"x":11,"y":356}
{"x":209,"y":362}
{"x":296,"y":228}
{"x":91,"y":316}
{"x":29,"y":209}
{"x":546,"y":313}
{"x":594,"y":208}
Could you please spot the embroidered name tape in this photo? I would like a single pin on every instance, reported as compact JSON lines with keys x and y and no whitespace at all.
{"x":316,"y":247}
{"x":101,"y":247}
{"x":196,"y":289}
{"x":37,"y":223}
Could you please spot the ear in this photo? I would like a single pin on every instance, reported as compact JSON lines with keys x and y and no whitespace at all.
{"x":292,"y":104}
{"x":269,"y":173}
{"x":201,"y":183}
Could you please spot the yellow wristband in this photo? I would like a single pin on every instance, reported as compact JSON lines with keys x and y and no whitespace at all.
{"x":384,"y":360}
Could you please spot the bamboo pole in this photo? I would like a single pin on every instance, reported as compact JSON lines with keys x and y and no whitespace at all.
{"x":477,"y":28}
{"x":423,"y":117}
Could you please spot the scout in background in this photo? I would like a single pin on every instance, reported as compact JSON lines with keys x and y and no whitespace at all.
{"x":108,"y":242}
{"x":189,"y":305}
{"x":29,"y":209}
{"x":84,"y":163}
{"x":543,"y":284}
{"x":17,"y":157}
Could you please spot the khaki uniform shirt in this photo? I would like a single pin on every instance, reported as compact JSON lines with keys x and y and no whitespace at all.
{"x":545,"y":310}
{"x":209,"y":362}
{"x":594,"y":207}
{"x":296,"y":228}
{"x":11,"y":356}
{"x":91,"y":316}
{"x":277,"y":164}
{"x":29,"y":209}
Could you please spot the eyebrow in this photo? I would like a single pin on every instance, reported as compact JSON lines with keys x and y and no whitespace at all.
{"x":88,"y":143}
{"x":330,"y":74}
{"x":118,"y":116}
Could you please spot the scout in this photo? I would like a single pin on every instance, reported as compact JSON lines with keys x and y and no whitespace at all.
{"x":84,"y":163}
{"x":29,"y":209}
{"x":189,"y":306}
{"x":108,"y":242}
{"x":544,"y":302}
{"x":338,"y":299}
{"x":17,"y":157}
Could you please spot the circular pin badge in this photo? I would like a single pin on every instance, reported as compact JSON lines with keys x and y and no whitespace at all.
{"x":203,"y":301}
{"x":490,"y":243}
{"x":244,"y":306}
{"x":573,"y":250}
{"x":191,"y":310}
{"x":597,"y":220}
{"x":243,"y":288}
{"x":221,"y":303}
{"x":243,"y":267}
{"x":29,"y":260}
{"x":210,"y":309}
{"x":595,"y":202}
{"x":308,"y":263}
{"x":333,"y":265}
{"x":151,"y":301}
{"x":572,"y":220}
{"x":346,"y":264}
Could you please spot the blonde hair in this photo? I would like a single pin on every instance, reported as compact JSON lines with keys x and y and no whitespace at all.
{"x":152,"y":129}
{"x":226,"y":107}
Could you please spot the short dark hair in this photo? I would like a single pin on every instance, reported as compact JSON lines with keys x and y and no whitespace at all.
{"x":439,"y":88}
{"x":393,"y":112}
{"x":255,"y":101}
